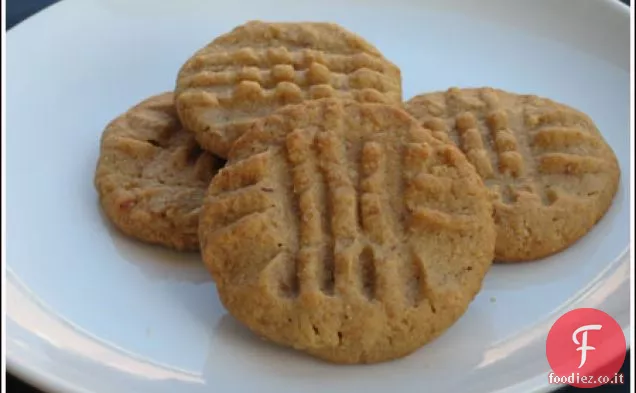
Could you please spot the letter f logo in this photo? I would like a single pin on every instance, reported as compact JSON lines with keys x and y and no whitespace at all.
{"x":584,"y":347}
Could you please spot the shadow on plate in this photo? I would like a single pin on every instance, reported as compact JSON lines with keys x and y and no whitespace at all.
{"x":155,"y":261}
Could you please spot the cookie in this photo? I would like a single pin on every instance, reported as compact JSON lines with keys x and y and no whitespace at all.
{"x":151,"y":175}
{"x":345,"y":230}
{"x":259,"y":67}
{"x":551,"y":174}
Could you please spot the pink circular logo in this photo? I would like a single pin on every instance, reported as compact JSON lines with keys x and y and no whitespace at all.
{"x":586,"y":349}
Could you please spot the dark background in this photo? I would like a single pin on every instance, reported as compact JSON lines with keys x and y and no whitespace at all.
{"x":17,"y":10}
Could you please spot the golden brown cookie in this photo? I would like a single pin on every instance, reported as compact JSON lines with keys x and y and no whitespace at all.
{"x":551,"y":174}
{"x":259,"y":67}
{"x":347,"y":231}
{"x":151,"y":175}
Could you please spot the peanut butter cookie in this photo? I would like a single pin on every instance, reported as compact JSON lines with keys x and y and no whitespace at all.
{"x":551,"y":174}
{"x":151,"y":175}
{"x":259,"y":67}
{"x":345,"y":230}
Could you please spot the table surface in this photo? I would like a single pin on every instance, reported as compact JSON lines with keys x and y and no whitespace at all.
{"x":18,"y":10}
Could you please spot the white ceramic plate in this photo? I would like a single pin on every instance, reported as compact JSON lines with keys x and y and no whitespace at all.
{"x":92,"y":311}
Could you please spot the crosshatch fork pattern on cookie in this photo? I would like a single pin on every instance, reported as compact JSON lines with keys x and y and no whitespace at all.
{"x":552,"y":142}
{"x":550,"y":173}
{"x":336,"y":214}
